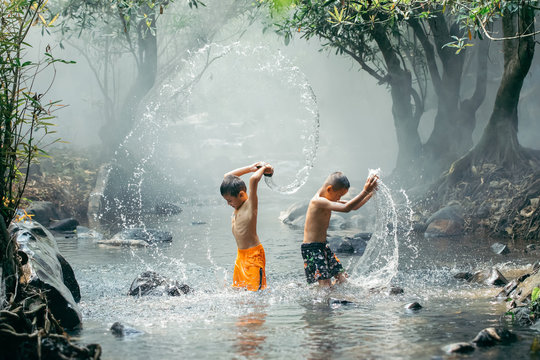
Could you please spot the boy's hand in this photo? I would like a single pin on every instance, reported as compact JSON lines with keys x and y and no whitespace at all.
{"x":372,"y":184}
{"x":268,"y":169}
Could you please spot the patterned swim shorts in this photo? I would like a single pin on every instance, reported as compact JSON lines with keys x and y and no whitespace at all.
{"x":320,"y":263}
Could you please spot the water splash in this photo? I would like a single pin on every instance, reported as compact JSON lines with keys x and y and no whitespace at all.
{"x":379,"y":264}
{"x":174,"y":133}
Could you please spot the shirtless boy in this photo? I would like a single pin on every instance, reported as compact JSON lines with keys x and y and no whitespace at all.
{"x":320,"y":263}
{"x":249,"y":268}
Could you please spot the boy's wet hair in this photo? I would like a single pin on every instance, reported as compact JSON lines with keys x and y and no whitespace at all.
{"x":338,"y":181}
{"x":232,"y":185}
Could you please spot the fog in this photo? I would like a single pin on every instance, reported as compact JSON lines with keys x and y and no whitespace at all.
{"x":237,"y":113}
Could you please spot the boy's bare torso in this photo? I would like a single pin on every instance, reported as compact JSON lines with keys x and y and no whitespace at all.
{"x":317,"y":221}
{"x":244,"y":226}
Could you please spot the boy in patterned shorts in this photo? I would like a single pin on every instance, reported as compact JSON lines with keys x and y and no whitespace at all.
{"x":320,"y":263}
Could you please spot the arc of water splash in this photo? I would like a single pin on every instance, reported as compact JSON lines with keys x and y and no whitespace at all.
{"x":371,"y":275}
{"x":294,"y":77}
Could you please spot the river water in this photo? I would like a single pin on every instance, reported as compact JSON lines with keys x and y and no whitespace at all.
{"x":289,"y":319}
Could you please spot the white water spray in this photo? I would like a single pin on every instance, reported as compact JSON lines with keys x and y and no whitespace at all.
{"x":379,"y":263}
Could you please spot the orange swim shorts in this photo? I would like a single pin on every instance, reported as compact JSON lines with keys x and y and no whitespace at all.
{"x":249,"y":269}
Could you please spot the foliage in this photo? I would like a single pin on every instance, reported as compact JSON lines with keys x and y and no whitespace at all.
{"x":25,"y":115}
{"x":535,"y":302}
{"x":124,"y":20}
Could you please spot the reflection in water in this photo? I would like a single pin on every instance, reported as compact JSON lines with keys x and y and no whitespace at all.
{"x":321,"y":331}
{"x":250,"y":333}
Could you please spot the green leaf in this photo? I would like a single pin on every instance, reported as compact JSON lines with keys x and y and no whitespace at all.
{"x":535,"y":294}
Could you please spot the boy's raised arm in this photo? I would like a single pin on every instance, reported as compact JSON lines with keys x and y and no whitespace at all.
{"x":356,"y":202}
{"x":243,"y":170}
{"x":261,"y":168}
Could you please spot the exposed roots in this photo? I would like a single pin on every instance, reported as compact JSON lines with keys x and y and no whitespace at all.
{"x":28,"y":330}
{"x":499,"y":200}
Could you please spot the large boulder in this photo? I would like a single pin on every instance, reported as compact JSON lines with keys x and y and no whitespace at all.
{"x":47,"y":269}
{"x":64,"y":225}
{"x":489,"y":277}
{"x":337,"y":222}
{"x":43,"y":212}
{"x":294,"y":212}
{"x":152,"y":283}
{"x":138,"y":237}
{"x":448,"y":221}
{"x":349,"y":245}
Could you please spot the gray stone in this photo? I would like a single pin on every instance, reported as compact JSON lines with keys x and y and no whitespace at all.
{"x":86,"y":233}
{"x":293,"y":212}
{"x":138,"y":237}
{"x":119,"y":330}
{"x":500,"y":249}
{"x":414,"y":306}
{"x":347,"y":245}
{"x":334,"y":301}
{"x":48,"y":270}
{"x":467,"y":276}
{"x":448,"y":221}
{"x":489,"y":277}
{"x":167,"y":209}
{"x":459,"y":348}
{"x":299,"y":222}
{"x":43,"y":212}
{"x":494,"y":336}
{"x":508,"y":289}
{"x":364,"y":236}
{"x":395,"y":290}
{"x":151,"y":283}
{"x":64,"y":225}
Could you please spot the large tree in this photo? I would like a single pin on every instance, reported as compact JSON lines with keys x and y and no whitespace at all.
{"x":499,"y":143}
{"x":441,"y":36}
{"x":397,"y":43}
{"x":380,"y":45}
{"x":117,"y":34}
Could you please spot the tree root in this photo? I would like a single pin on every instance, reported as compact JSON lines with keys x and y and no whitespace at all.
{"x":29,"y":330}
{"x":497,"y":200}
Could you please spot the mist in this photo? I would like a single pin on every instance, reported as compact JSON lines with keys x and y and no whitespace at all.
{"x":237,"y":114}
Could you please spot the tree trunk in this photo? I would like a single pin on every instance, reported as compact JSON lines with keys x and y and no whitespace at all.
{"x":466,"y":119}
{"x":499,"y":143}
{"x":455,"y":121}
{"x":112,"y":133}
{"x":405,"y":120}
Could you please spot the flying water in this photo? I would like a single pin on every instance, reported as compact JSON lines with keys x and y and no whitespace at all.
{"x":378,"y":265}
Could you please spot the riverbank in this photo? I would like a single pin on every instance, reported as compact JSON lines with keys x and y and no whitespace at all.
{"x":66,"y":179}
{"x":493,"y":205}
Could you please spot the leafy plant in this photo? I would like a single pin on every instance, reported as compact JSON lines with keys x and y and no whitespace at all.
{"x":25,"y":114}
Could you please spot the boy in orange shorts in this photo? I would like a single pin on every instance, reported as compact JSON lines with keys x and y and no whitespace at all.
{"x":250,"y":262}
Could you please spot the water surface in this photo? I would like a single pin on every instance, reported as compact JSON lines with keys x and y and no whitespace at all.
{"x":290,"y":319}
